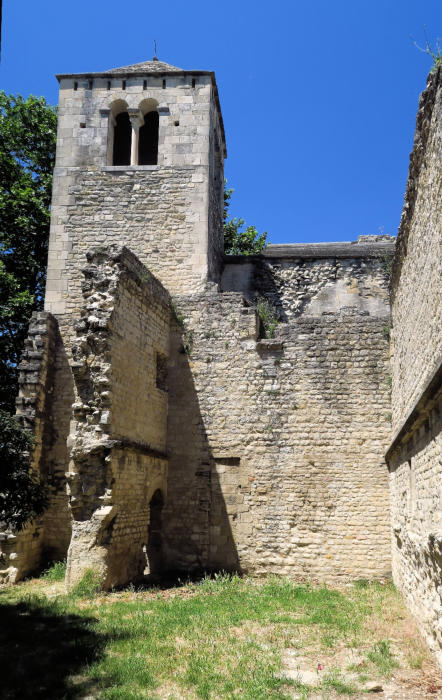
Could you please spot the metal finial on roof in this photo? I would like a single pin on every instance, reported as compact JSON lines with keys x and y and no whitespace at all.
{"x":154,"y":51}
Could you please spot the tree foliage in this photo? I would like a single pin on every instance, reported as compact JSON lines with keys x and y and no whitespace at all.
{"x":22,"y":494}
{"x":237,"y":239}
{"x":27,"y":155}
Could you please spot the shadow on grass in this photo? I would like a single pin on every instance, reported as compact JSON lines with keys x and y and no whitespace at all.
{"x":43,"y":650}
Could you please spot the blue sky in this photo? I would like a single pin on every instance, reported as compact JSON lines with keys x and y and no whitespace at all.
{"x":319,"y":98}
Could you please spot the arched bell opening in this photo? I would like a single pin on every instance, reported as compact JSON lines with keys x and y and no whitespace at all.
{"x":122,"y":139}
{"x":119,"y":139}
{"x":148,"y":133}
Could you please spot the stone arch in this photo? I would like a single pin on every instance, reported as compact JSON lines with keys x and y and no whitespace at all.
{"x":148,"y":133}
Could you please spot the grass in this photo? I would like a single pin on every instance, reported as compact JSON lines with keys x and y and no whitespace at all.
{"x":56,"y":572}
{"x":88,"y":586}
{"x":334,"y":680}
{"x":382,"y":657}
{"x":223,"y":637}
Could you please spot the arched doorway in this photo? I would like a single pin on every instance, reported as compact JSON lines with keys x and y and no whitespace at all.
{"x":154,"y":548}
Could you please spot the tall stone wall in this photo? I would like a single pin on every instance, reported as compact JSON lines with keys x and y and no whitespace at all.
{"x":276,"y":445}
{"x":416,"y":291}
{"x":119,"y":428}
{"x":415,"y":455}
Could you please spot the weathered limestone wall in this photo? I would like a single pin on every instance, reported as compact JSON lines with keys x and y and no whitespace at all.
{"x":316,"y":278}
{"x":119,"y":428}
{"x":416,"y":311}
{"x":276,"y":446}
{"x":140,"y":328}
{"x":158,"y":214}
{"x":23,"y":552}
{"x":414,"y":456}
{"x":416,"y":516}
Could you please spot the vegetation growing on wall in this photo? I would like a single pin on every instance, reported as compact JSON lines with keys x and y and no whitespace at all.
{"x":268,"y":316}
{"x":434,"y":52}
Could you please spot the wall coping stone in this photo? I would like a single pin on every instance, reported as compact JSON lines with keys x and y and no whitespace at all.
{"x":302,"y":251}
{"x":343,"y":249}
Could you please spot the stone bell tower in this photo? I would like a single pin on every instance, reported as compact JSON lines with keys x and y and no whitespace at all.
{"x":138,"y":183}
{"x":140,"y":154}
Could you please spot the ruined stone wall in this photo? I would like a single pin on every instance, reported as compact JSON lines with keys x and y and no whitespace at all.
{"x":276,"y":445}
{"x":414,"y":456}
{"x":119,"y":428}
{"x":22,"y":552}
{"x":315,"y":287}
{"x":316,"y":278}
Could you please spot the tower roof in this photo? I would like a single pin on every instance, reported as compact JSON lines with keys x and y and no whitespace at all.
{"x":154,"y":66}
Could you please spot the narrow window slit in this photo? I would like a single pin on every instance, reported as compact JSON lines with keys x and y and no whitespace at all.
{"x":90,"y":84}
{"x":193,"y":82}
{"x":108,"y":84}
{"x":144,"y":84}
{"x":75,"y":85}
{"x":123,"y":85}
{"x":164,"y":83}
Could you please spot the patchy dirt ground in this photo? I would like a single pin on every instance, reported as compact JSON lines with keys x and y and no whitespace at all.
{"x":404,"y":684}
